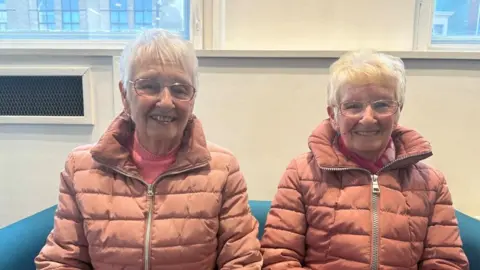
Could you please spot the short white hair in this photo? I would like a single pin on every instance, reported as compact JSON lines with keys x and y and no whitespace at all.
{"x":163,"y":47}
{"x":366,"y":67}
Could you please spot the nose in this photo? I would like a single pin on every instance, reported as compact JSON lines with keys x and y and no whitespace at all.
{"x":368,"y":115}
{"x":165,"y":98}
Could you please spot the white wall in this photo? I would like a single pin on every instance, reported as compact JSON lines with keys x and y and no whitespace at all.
{"x":316,"y":24}
{"x":33,"y":155}
{"x":263,"y":109}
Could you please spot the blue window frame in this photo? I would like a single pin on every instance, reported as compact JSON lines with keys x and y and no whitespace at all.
{"x":143,"y":14}
{"x":70,"y":15}
{"x":118,"y":15}
{"x":3,"y":16}
{"x":46,"y":14}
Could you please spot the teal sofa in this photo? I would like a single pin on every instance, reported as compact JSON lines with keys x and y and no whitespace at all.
{"x":20,"y":242}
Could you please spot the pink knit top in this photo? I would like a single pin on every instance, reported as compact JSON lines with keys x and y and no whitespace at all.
{"x":150,"y":165}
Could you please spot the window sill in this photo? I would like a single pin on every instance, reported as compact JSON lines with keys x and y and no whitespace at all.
{"x":114,"y":48}
{"x":464,"y":55}
{"x":71,"y":48}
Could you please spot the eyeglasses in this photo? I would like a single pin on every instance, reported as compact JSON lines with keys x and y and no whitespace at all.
{"x":153,"y":87}
{"x":379,"y":107}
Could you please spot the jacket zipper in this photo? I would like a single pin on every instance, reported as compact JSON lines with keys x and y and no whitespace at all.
{"x":375,"y":197}
{"x":375,"y":225}
{"x":150,"y":199}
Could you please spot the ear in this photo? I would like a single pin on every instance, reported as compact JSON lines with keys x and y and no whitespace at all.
{"x":192,"y":108}
{"x":397,"y":119}
{"x":332,"y":116}
{"x":123,"y":93}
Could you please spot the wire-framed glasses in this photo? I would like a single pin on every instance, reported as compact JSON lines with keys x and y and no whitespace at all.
{"x":379,"y":107}
{"x":153,"y":88}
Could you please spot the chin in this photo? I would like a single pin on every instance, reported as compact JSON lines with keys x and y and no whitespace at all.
{"x":163,"y":134}
{"x":373,"y":147}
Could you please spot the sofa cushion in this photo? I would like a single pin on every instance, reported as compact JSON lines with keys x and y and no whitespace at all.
{"x":21,"y":241}
{"x":260,"y":211}
{"x":470,"y":234}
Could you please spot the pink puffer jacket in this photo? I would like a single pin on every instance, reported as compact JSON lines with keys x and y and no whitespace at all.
{"x":195,"y":217}
{"x":330,"y":214}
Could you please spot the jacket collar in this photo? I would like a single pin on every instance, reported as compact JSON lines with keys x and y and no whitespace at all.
{"x":410,"y":147}
{"x":112,"y":148}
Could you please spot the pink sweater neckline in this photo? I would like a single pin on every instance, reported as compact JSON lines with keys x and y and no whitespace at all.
{"x":150,"y":165}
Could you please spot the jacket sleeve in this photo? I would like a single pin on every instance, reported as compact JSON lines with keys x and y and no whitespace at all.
{"x":66,"y":246}
{"x":443,"y":246}
{"x":238,"y":245}
{"x":283,"y":242}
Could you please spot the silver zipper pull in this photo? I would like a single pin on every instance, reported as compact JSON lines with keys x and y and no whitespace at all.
{"x":150,"y":191}
{"x":375,"y":186}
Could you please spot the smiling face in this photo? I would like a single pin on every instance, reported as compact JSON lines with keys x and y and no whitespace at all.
{"x":160,"y":119}
{"x":366,"y":134}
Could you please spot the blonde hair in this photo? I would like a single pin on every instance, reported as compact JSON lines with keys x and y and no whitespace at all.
{"x":162,"y":47}
{"x":366,"y":67}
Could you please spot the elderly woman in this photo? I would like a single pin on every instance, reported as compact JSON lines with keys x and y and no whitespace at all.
{"x":362,"y":198}
{"x":152,"y":193}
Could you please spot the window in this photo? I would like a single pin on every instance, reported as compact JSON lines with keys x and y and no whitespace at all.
{"x":94,"y":19}
{"x":143,"y":14}
{"x":3,"y":16}
{"x":70,"y":15}
{"x":118,"y":15}
{"x":46,"y":15}
{"x":456,"y":22}
{"x":169,"y":15}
